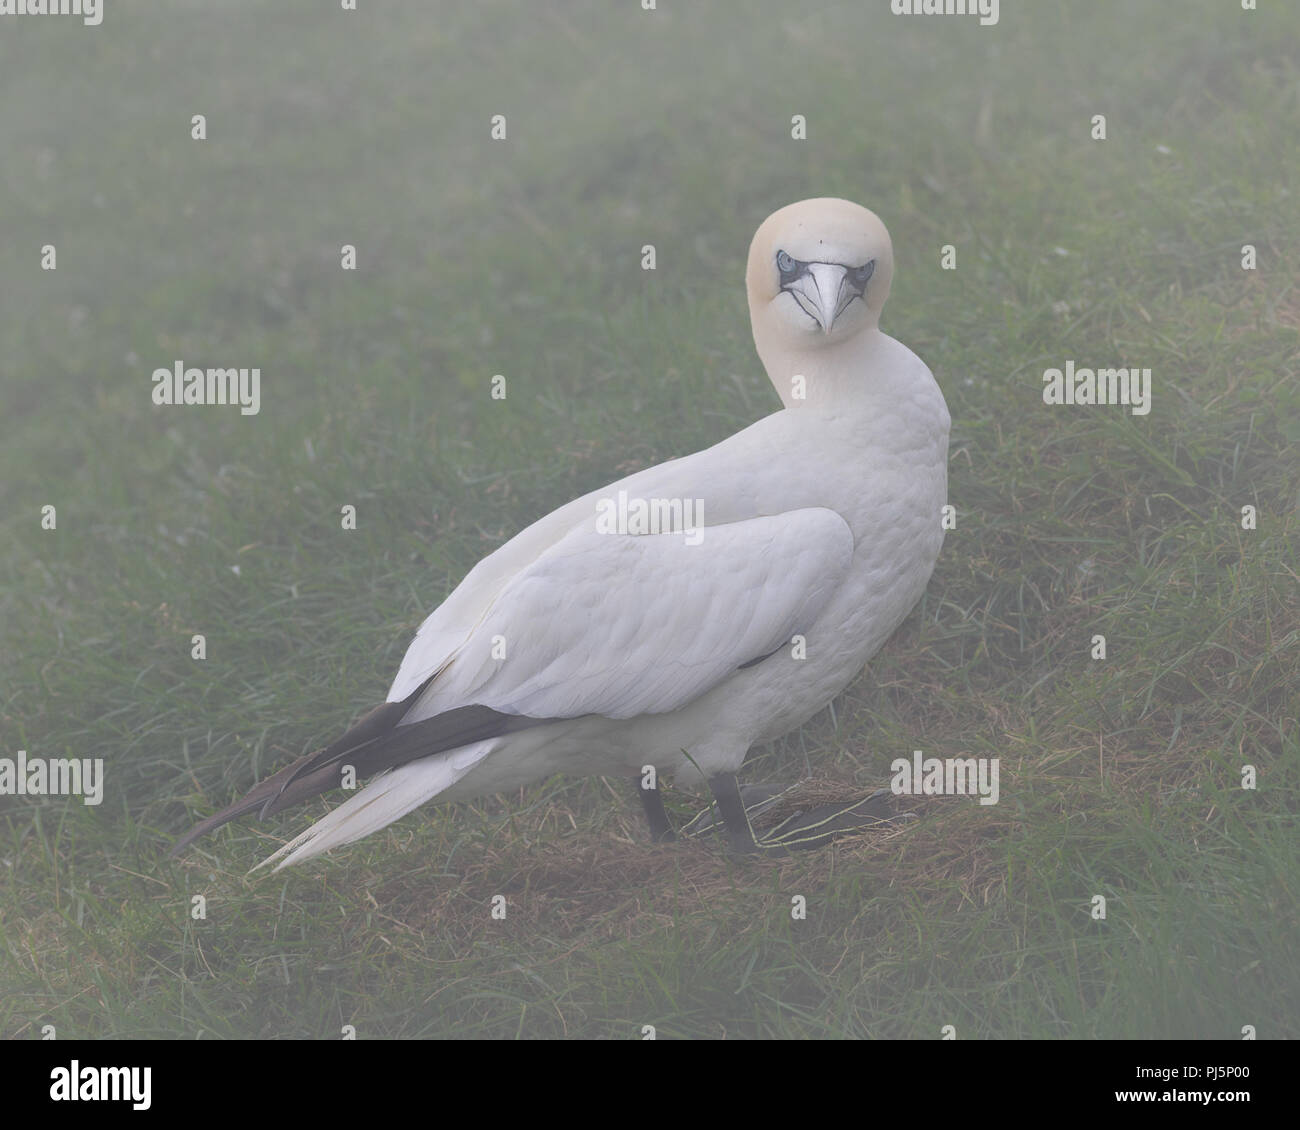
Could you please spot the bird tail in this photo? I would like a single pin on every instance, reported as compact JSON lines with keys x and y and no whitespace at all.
{"x":379,"y":741}
{"x":388,"y":797}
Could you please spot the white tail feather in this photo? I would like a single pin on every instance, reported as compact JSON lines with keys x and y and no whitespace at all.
{"x":389,"y":797}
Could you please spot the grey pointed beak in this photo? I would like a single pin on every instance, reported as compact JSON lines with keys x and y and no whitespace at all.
{"x":823,"y":291}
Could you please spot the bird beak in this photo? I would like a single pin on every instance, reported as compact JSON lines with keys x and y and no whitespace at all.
{"x":823,"y":291}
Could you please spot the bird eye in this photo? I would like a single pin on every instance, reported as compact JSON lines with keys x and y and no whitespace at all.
{"x":784,"y":263}
{"x":863,"y":273}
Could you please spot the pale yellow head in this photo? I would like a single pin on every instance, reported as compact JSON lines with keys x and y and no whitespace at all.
{"x":818,"y":274}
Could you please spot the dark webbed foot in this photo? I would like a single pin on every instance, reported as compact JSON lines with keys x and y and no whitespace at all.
{"x":817,"y":825}
{"x":806,"y":815}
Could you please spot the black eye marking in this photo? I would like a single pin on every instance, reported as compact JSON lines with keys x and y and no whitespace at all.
{"x":792,"y":269}
{"x":852,"y":284}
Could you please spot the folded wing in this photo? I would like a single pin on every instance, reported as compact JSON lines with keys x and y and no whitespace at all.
{"x":622,"y":625}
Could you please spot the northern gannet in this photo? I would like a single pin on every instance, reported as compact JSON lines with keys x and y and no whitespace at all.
{"x":579,"y":649}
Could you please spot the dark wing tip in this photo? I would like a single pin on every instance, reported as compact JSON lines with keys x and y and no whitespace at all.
{"x":376,"y":743}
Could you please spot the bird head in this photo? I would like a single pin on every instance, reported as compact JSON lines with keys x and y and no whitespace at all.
{"x":818,"y":274}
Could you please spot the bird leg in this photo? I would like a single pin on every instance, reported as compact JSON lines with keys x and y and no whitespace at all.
{"x":740,"y":834}
{"x":653,"y":805}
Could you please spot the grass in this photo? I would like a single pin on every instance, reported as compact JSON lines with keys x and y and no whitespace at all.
{"x":1120,"y":777}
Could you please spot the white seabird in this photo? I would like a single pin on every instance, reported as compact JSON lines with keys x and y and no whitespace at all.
{"x":577,"y":649}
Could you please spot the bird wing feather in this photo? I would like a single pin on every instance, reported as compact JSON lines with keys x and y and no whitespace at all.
{"x":621,"y":625}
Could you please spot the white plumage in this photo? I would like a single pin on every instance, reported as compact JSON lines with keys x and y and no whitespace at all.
{"x":821,"y":521}
{"x":620,"y":625}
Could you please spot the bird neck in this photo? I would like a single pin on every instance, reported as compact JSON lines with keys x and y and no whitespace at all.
{"x":834,"y":376}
